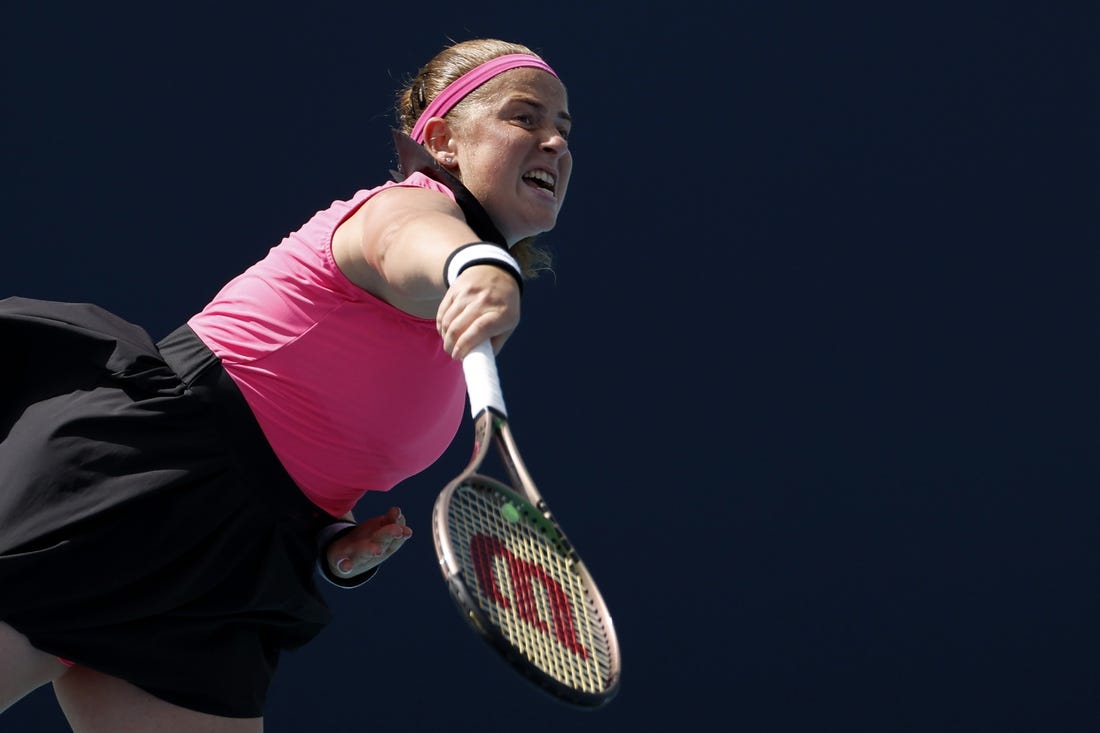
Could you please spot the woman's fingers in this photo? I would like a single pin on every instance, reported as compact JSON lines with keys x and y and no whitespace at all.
{"x":374,"y":542}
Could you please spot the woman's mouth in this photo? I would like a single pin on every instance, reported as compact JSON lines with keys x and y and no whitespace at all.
{"x":541,"y":179}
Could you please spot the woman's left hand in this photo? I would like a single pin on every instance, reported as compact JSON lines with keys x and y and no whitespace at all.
{"x":370,"y":544}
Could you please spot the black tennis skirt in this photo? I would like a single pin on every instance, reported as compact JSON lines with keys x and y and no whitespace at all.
{"x":147,"y":530}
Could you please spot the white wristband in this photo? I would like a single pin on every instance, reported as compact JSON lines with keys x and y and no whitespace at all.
{"x":480,"y":253}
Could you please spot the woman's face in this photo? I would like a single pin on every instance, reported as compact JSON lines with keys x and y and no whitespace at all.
{"x":511,"y":150}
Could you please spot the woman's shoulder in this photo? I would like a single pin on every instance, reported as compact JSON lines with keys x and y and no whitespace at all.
{"x":415,"y":181}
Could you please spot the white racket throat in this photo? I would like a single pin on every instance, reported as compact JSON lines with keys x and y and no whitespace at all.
{"x":483,"y":381}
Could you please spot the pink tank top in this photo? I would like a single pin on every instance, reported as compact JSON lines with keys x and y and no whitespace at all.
{"x":353,"y":394}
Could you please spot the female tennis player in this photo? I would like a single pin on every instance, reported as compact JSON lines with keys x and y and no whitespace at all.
{"x":163,"y":505}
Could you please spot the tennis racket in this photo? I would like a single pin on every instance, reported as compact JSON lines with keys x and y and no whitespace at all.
{"x":510,"y":569}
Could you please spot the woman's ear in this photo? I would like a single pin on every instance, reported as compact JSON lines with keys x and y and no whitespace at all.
{"x":439,"y":141}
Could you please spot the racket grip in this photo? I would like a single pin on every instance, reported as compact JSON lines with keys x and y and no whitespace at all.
{"x":482,"y":380}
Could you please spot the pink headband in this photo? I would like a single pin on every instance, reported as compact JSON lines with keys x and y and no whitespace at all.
{"x":457,"y":90}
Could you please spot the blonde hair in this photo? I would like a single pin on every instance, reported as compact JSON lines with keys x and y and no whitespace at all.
{"x":449,"y":64}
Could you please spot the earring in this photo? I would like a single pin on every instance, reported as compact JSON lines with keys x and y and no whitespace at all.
{"x":449,"y":159}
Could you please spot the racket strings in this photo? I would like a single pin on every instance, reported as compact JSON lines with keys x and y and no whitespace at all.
{"x":529,"y":589}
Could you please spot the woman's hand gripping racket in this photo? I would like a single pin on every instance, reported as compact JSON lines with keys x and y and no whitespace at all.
{"x":511,"y":570}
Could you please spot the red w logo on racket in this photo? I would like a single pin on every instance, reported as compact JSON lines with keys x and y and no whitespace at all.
{"x":484,"y":549}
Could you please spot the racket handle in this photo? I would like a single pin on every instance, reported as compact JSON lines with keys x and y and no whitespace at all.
{"x":482,"y":380}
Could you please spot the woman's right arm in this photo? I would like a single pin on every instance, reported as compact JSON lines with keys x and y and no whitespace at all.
{"x":396,"y":246}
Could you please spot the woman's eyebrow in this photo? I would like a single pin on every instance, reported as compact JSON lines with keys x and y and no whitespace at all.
{"x":562,"y":115}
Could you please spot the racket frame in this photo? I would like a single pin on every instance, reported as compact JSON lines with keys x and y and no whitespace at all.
{"x":491,"y":428}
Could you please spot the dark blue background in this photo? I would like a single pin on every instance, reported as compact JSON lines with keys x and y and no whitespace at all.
{"x":813,"y":389}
